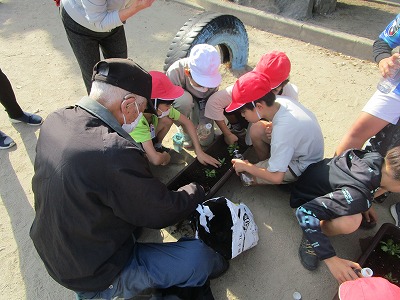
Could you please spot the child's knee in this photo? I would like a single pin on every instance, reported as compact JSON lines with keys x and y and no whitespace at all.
{"x":343,"y":225}
{"x":257,"y":130}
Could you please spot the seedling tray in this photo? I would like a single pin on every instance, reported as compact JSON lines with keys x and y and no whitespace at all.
{"x":196,"y":172}
{"x":382,"y":263}
{"x":379,"y":261}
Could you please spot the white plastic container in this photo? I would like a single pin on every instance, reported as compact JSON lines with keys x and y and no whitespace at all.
{"x":205,"y":134}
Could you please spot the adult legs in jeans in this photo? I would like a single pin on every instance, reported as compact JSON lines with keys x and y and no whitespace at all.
{"x":186,"y":263}
{"x":86,"y":45}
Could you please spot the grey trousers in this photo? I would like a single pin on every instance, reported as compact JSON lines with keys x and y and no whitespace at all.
{"x":86,"y":45}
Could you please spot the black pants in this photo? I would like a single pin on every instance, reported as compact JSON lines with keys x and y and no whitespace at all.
{"x":86,"y":45}
{"x":7,"y":97}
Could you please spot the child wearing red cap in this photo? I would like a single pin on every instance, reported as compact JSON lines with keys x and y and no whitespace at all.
{"x":155,"y":127}
{"x":296,"y":139}
{"x":274,"y":64}
{"x":199,"y":76}
{"x":371,"y":288}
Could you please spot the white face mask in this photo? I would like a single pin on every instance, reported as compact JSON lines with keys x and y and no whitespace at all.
{"x":258,"y":115}
{"x":198,"y":88}
{"x":130,"y":127}
{"x":163,"y":113}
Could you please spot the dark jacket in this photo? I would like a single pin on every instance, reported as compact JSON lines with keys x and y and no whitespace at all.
{"x":92,"y":189}
{"x":340,"y":186}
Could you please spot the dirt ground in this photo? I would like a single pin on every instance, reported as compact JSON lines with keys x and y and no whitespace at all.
{"x":37,"y":58}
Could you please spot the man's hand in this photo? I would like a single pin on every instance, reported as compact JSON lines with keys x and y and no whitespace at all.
{"x":342,"y":269}
{"x":386,"y":65}
{"x":206,"y":159}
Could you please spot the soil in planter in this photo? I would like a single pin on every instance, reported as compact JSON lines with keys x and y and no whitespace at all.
{"x":196,"y":172}
{"x":382,"y":263}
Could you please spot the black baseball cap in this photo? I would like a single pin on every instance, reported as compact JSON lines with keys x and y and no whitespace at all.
{"x":125,"y":74}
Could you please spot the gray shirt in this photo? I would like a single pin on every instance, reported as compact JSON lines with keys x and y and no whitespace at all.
{"x":96,"y":15}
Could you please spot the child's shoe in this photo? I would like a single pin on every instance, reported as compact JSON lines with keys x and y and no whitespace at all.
{"x":308,"y":257}
{"x":161,"y":148}
{"x":187,"y":141}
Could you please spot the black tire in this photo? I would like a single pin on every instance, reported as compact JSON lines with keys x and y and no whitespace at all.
{"x":226,"y":32}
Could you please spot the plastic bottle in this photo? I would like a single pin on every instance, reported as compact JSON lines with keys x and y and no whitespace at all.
{"x":367,"y":272}
{"x":389,"y":83}
{"x":178,"y":140}
{"x":204,"y":133}
{"x":246,"y":178}
{"x":296,"y":296}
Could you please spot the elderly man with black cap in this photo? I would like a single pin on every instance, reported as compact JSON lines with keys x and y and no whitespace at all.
{"x":93,"y":188}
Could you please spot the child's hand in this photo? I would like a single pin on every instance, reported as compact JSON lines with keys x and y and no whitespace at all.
{"x":230,"y":139}
{"x":166,"y":158}
{"x":370,"y":215}
{"x":342,"y":269}
{"x":206,"y":159}
{"x":268,"y":130}
{"x":240,"y":165}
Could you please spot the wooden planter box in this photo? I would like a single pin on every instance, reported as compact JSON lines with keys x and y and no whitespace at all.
{"x":379,"y":261}
{"x":195,"y":171}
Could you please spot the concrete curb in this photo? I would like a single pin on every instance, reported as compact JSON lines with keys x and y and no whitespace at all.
{"x":347,"y":44}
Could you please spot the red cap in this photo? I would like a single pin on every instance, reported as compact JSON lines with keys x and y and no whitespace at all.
{"x":249,"y":87}
{"x":370,"y":288}
{"x":276,"y":65}
{"x":163,"y":88}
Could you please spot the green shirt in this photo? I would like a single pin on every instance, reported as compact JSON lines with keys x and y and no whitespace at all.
{"x":143,"y":130}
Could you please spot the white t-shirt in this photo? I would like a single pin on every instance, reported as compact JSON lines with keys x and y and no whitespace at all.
{"x":296,"y":139}
{"x":384,"y":106}
{"x":217,"y":102}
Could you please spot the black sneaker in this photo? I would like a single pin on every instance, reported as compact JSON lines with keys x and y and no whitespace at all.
{"x":381,"y":198}
{"x":395,"y":210}
{"x":5,"y":141}
{"x":30,"y":119}
{"x":307,"y":255}
{"x":162,"y":149}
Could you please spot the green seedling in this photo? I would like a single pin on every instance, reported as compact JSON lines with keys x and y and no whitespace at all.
{"x":210,"y":173}
{"x":390,"y":277}
{"x":232,"y":148}
{"x":221,"y":161}
{"x":391,"y":247}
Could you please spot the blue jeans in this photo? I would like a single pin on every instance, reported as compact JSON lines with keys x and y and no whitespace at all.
{"x":186,"y":263}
